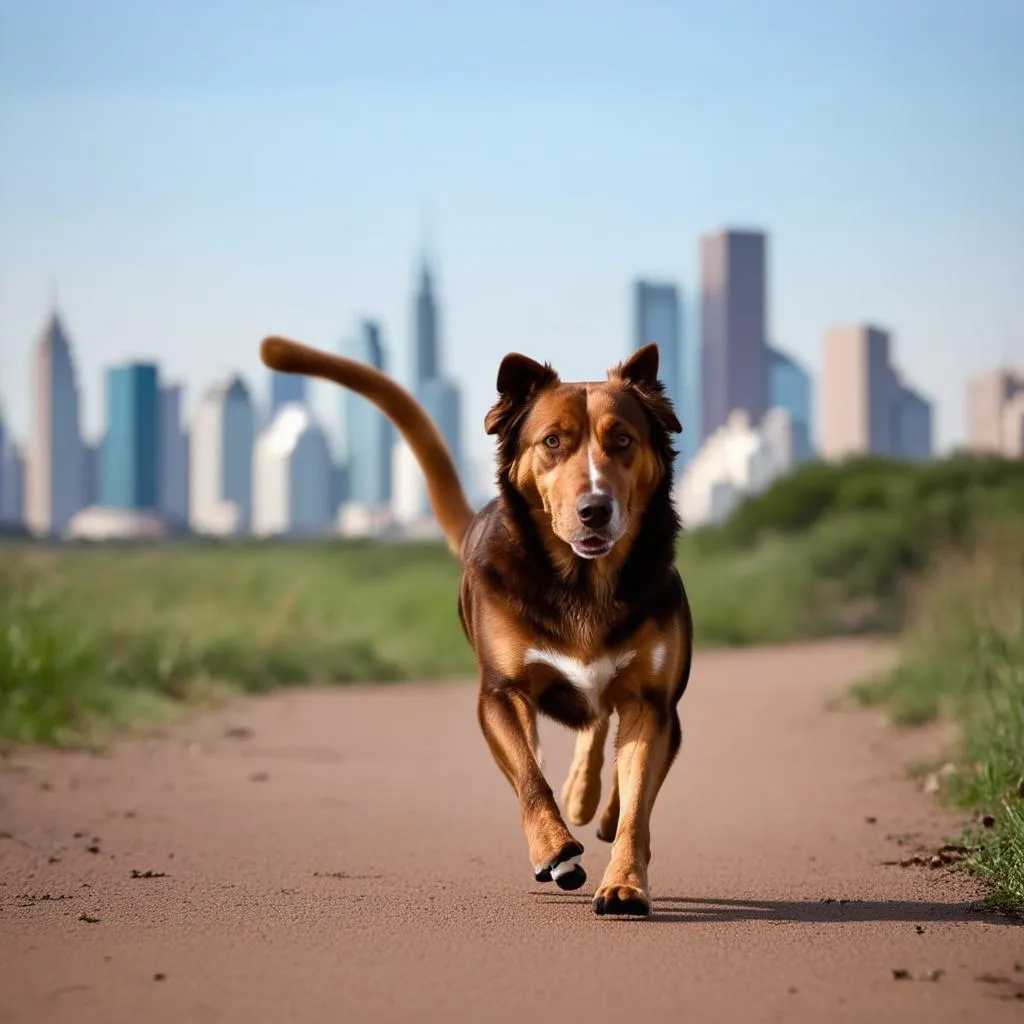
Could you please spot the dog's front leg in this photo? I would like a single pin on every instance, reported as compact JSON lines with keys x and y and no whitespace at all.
{"x":508,"y":719}
{"x":643,"y":755}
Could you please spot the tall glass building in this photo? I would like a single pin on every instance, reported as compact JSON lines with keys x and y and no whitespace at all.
{"x":369,"y":437}
{"x":657,"y":318}
{"x":426,"y":355}
{"x":733,"y":327}
{"x":129,"y":461}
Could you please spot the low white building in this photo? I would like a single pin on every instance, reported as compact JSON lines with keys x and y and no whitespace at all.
{"x":737,"y":460}
{"x":358,"y":520}
{"x":293,"y":476}
{"x":102,"y":522}
{"x":220,"y":460}
{"x":409,"y":504}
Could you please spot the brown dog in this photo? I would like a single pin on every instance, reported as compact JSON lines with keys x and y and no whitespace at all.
{"x":569,"y":595}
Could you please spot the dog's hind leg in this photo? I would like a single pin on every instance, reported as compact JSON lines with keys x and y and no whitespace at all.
{"x":609,"y":823}
{"x":582,"y":790}
{"x":645,"y":748}
{"x":508,"y":719}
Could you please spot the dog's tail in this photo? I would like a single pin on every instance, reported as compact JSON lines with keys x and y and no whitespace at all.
{"x":411,"y":419}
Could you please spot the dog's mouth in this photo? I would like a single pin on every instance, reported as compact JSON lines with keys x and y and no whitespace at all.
{"x":593,"y":546}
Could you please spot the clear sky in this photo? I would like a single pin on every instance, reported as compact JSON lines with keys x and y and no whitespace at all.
{"x":193,"y":175}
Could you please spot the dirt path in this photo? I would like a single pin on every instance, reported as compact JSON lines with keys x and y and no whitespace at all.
{"x":352,"y":856}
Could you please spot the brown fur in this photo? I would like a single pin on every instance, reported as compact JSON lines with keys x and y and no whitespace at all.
{"x":554,"y":569}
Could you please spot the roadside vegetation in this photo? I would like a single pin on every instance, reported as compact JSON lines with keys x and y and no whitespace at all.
{"x":962,"y":659}
{"x":95,"y":637}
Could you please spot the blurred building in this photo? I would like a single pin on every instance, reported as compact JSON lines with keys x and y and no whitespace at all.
{"x":736,"y":461}
{"x":292,"y":476}
{"x":91,"y":459}
{"x":339,"y":486}
{"x":995,"y":413}
{"x":369,"y":435}
{"x":789,"y":388}
{"x":172,"y":477}
{"x":733,"y":326}
{"x":438,"y":394}
{"x":220,"y":460}
{"x":426,"y":362}
{"x":130,"y":453}
{"x":442,"y":400}
{"x":866,"y":406}
{"x":55,"y":471}
{"x":409,"y":503}
{"x":12,"y":478}
{"x":101,"y":523}
{"x":657,"y":317}
{"x":286,"y":389}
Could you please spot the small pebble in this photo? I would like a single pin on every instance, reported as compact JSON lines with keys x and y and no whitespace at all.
{"x":899,"y":974}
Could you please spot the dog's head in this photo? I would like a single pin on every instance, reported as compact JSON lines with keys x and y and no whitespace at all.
{"x":590,"y":455}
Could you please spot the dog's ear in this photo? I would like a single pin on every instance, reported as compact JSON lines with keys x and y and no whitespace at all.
{"x":640,"y":374}
{"x":519,"y":379}
{"x":641,"y":368}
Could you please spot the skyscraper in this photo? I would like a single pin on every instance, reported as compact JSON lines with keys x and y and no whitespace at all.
{"x":55,"y":474}
{"x":789,"y":388}
{"x":286,"y":388}
{"x":220,"y":460}
{"x":657,"y":318}
{"x":866,"y":406}
{"x":443,"y":401}
{"x":12,"y":478}
{"x":369,"y":437}
{"x":426,"y":361}
{"x":292,"y":476}
{"x":12,"y":483}
{"x":129,"y":457}
{"x":995,"y":406}
{"x":172,"y":485}
{"x":439,"y":395}
{"x":733,"y":326}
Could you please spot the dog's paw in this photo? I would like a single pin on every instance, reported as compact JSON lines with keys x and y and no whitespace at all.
{"x":564,"y":869}
{"x":621,"y":900}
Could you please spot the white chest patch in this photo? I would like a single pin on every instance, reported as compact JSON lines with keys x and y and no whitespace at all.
{"x":590,"y":678}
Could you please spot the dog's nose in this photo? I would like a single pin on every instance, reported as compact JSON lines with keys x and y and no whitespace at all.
{"x":594,"y":509}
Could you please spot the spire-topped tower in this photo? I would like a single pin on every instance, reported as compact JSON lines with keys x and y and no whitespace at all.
{"x":426,"y":356}
{"x":55,"y":466}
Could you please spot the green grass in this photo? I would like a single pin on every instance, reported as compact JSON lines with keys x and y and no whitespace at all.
{"x":96,"y":637}
{"x":963,"y":660}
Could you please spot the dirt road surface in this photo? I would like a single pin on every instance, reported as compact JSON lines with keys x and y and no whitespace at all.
{"x":354,"y":855}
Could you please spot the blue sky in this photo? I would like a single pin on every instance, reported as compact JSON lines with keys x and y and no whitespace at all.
{"x":193,"y":176}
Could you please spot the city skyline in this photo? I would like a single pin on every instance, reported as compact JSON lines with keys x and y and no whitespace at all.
{"x":283,"y":477}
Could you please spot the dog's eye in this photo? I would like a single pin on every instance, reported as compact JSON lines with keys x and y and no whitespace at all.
{"x":623,"y":441}
{"x":552,"y":440}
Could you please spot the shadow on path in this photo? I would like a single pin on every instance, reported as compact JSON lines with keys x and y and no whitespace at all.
{"x":675,"y":909}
